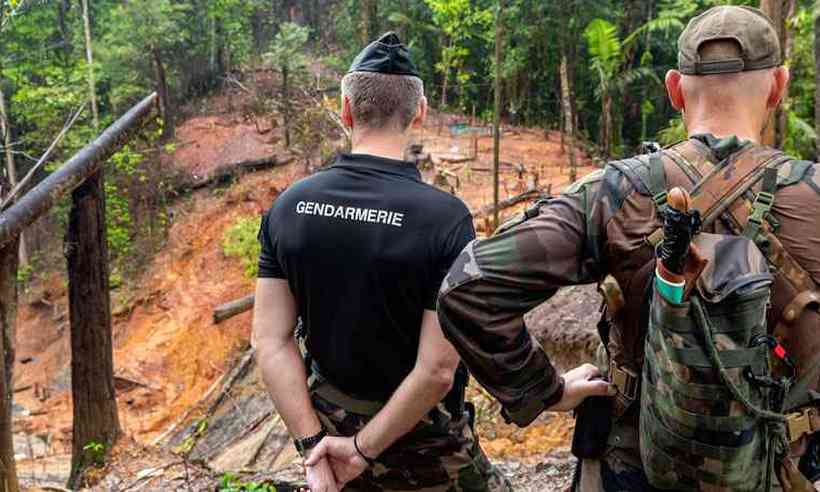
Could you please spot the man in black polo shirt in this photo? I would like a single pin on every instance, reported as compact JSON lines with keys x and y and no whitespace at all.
{"x":357,"y":252}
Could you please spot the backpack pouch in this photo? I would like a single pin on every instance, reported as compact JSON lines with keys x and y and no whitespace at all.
{"x":697,"y":433}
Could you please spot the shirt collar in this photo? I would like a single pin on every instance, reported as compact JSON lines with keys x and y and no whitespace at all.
{"x":721,"y":147}
{"x":406,"y":169}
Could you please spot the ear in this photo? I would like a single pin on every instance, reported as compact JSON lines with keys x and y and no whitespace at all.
{"x":779,"y":86}
{"x":675,"y":90}
{"x":347,"y":113}
{"x":421,"y":113}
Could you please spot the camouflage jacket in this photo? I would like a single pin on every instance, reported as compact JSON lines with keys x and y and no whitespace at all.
{"x":598,"y":227}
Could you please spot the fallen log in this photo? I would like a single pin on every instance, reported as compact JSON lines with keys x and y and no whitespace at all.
{"x":224,"y":173}
{"x":223,"y":384}
{"x":231,"y":309}
{"x":509,"y":202}
{"x":72,"y":173}
{"x":456,"y":160}
{"x":20,"y":389}
{"x":230,"y":379}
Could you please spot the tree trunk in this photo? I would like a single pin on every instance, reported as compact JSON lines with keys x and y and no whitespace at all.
{"x":212,"y":48}
{"x":89,"y":58}
{"x":370,"y":20}
{"x":8,"y":317}
{"x":286,"y":105}
{"x":11,"y":167}
{"x":92,"y":369}
{"x":566,"y":106}
{"x":445,"y":78}
{"x":63,"y":6}
{"x":779,"y":11}
{"x":165,"y":106}
{"x":817,"y":82}
{"x":499,"y":30}
{"x":606,"y":115}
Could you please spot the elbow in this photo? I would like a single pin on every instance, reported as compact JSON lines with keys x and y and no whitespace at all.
{"x":440,"y":379}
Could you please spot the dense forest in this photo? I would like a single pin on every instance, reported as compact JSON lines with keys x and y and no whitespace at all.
{"x":605,"y":59}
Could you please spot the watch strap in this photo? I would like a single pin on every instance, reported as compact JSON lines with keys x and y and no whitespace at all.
{"x":304,"y":445}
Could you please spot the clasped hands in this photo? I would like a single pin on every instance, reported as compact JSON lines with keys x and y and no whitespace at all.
{"x":332,"y":464}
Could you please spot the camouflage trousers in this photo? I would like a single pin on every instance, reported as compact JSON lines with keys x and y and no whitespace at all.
{"x":441,"y":454}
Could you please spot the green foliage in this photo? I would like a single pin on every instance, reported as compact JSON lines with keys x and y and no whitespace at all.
{"x":286,"y":51}
{"x":461,"y":22}
{"x":24,"y":274}
{"x":96,"y":451}
{"x":241,"y":241}
{"x":190,"y":441}
{"x":232,"y":483}
{"x":674,"y":132}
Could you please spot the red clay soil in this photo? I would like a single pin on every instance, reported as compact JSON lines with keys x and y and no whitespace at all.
{"x":164,"y":339}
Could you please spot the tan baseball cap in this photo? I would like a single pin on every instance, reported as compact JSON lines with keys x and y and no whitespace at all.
{"x":753,"y":31}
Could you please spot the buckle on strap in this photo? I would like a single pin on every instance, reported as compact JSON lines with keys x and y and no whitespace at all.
{"x":761,"y":206}
{"x":660,"y":199}
{"x":624,"y":380}
{"x":799,"y":423}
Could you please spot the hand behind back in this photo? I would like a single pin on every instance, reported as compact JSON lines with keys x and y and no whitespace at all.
{"x":320,"y":477}
{"x":341,"y":454}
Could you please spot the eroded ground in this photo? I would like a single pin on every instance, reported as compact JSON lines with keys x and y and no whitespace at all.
{"x":169,"y":355}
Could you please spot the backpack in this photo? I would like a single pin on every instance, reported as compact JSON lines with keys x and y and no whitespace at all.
{"x":712,"y":409}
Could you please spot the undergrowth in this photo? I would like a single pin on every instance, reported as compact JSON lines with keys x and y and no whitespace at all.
{"x":232,"y":483}
{"x":240,"y":241}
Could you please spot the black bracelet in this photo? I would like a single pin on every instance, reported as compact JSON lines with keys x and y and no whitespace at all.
{"x":370,"y":461}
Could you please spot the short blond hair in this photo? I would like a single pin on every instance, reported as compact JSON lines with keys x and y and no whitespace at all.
{"x":379,"y":100}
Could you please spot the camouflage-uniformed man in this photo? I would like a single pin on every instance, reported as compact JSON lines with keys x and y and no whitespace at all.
{"x":358,"y":252}
{"x":729,"y":81}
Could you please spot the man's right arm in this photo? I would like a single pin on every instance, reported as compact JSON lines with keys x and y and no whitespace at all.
{"x":497,"y":280}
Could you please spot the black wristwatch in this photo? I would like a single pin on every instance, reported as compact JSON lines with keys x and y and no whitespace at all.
{"x":303,"y":446}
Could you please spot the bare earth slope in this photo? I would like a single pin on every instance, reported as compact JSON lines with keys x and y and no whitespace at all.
{"x":169,"y":355}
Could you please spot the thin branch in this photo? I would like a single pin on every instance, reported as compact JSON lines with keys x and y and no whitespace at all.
{"x":236,"y":82}
{"x":20,"y":185}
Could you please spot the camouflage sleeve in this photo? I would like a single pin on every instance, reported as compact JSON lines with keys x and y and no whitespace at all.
{"x":495,"y":281}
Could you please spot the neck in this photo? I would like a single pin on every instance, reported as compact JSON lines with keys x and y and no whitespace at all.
{"x":390,"y":146}
{"x":737,"y":123}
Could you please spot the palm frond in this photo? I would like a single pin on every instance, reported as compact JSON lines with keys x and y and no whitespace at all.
{"x":604,"y":45}
{"x":665,"y":23}
{"x":629,"y":77}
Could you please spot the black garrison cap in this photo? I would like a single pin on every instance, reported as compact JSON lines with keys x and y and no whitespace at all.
{"x":385,"y":55}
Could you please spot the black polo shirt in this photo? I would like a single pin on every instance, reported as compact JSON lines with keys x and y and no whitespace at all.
{"x":364,"y":246}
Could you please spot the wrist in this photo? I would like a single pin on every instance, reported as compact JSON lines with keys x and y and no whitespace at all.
{"x":556,"y":395}
{"x":362,"y":450}
{"x":305,"y":444}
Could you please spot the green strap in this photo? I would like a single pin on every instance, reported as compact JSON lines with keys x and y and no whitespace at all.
{"x":695,"y":357}
{"x":685,"y":388}
{"x":683,"y":417}
{"x":657,"y":181}
{"x":724,"y":454}
{"x":764,"y":200}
